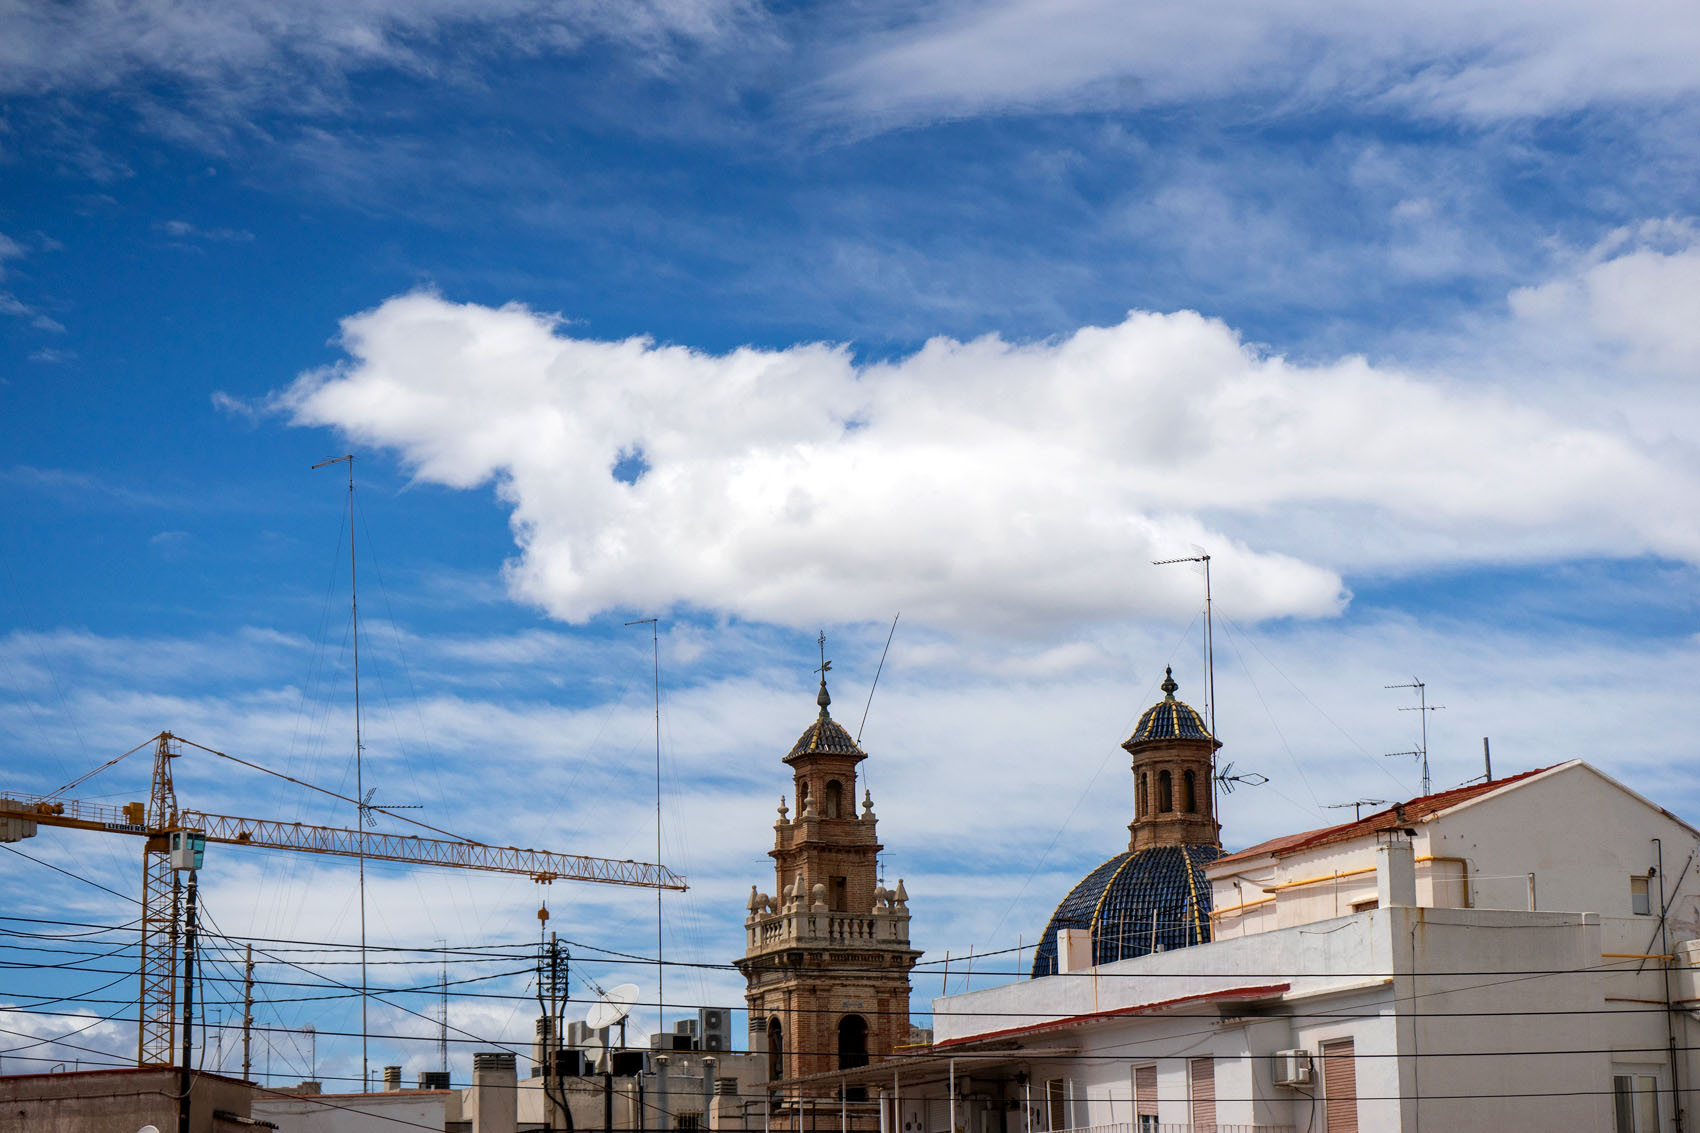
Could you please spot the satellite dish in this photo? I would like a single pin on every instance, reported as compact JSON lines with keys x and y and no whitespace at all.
{"x":613,"y":1005}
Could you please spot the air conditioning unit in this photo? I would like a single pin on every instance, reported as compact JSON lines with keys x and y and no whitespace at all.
{"x":1293,"y":1068}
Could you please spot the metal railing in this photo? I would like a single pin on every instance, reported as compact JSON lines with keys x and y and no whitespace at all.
{"x":1174,"y":1127}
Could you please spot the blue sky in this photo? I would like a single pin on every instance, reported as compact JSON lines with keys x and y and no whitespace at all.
{"x":966,"y":311}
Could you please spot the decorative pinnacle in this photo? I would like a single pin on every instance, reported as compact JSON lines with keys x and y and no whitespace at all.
{"x":824,"y":698}
{"x":1169,"y":686}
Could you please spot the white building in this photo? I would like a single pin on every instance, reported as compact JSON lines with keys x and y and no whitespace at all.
{"x":1488,"y":958}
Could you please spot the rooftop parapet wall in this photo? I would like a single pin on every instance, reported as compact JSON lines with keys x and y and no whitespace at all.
{"x":1335,"y":956}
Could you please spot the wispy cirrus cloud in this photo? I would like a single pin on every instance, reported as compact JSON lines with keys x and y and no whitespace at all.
{"x":247,"y":51}
{"x":1449,"y":60}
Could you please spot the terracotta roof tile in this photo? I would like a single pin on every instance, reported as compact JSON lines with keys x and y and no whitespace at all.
{"x":1400,"y":814}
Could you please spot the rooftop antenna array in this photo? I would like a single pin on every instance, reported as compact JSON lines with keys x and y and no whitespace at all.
{"x":1229,"y":780}
{"x":655,"y":654}
{"x":1203,"y":558}
{"x":1357,"y":806}
{"x":1422,"y":705}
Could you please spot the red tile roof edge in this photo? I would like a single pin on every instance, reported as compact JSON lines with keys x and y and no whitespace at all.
{"x":1418,"y":808}
{"x":1260,"y":991}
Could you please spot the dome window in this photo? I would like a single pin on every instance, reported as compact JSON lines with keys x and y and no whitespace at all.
{"x":1165,"y":791}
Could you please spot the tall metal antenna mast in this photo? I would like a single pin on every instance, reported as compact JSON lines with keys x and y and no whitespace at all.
{"x":362,"y":817}
{"x":1422,"y":705}
{"x":655,"y":652}
{"x":1209,"y":658}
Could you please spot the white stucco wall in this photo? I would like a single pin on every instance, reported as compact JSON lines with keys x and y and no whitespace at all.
{"x":1462,"y":1019}
{"x":353,"y":1113}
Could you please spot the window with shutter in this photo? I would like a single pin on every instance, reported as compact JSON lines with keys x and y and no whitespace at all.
{"x":1056,"y":1104}
{"x":1145,"y":1098}
{"x":1202,"y":1073}
{"x":1340,"y":1086}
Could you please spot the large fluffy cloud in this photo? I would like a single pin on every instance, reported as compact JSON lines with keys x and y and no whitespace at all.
{"x":980,"y":483}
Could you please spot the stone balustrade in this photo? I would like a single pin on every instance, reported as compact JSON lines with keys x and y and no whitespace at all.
{"x":793,"y":928}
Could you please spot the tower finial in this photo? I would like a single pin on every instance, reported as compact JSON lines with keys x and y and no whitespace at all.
{"x":824,"y":698}
{"x":1169,"y":686}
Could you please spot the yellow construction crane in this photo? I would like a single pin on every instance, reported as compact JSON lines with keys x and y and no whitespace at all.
{"x":160,"y":817}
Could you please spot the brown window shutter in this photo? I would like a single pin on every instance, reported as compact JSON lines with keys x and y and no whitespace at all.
{"x":1202,"y":1072}
{"x":1145,"y":1091}
{"x":1340,"y":1086}
{"x":1056,"y":1104}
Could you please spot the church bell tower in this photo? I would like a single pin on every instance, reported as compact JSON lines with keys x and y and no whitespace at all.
{"x":827,"y":954}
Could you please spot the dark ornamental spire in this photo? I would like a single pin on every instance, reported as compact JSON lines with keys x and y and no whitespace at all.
{"x":825,"y":698}
{"x":1169,"y":686}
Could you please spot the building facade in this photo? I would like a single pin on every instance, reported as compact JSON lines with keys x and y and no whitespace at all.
{"x":1518,"y":954}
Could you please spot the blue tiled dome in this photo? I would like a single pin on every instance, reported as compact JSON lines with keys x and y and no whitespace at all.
{"x":1154,"y":900}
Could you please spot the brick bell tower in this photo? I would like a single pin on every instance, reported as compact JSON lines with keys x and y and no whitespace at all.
{"x":827,"y":957}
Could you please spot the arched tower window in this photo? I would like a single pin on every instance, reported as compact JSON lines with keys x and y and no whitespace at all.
{"x":1165,"y":791}
{"x":1189,"y":794}
{"x":852,"y":1042}
{"x":802,"y":797}
{"x":775,"y":1050}
{"x":1143,"y":803}
{"x":834,"y":799}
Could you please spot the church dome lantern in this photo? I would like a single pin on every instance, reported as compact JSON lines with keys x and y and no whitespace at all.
{"x":1154,"y":896}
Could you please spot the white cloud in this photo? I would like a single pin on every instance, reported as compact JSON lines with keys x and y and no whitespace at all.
{"x":11,"y":305}
{"x":183,"y":230}
{"x":1447,"y":59}
{"x":10,"y":249}
{"x":1634,"y":292}
{"x":253,"y":48}
{"x":974,"y":484}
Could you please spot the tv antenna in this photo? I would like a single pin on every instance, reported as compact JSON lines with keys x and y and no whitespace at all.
{"x":366,"y":807}
{"x":1209,"y":645}
{"x":1202,"y":557}
{"x":1357,"y":806}
{"x":1422,"y":705}
{"x":1229,"y":780}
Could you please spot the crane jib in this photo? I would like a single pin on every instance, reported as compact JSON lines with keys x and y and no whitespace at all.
{"x":541,"y":865}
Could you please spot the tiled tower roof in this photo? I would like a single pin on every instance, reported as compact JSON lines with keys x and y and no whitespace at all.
{"x":825,"y":736}
{"x":1170,"y":719}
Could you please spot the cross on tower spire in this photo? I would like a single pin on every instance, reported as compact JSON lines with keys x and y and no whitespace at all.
{"x":824,"y":698}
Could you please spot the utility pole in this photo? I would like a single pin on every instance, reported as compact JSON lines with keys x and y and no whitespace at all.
{"x":247,"y":1007}
{"x":185,"y":856}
